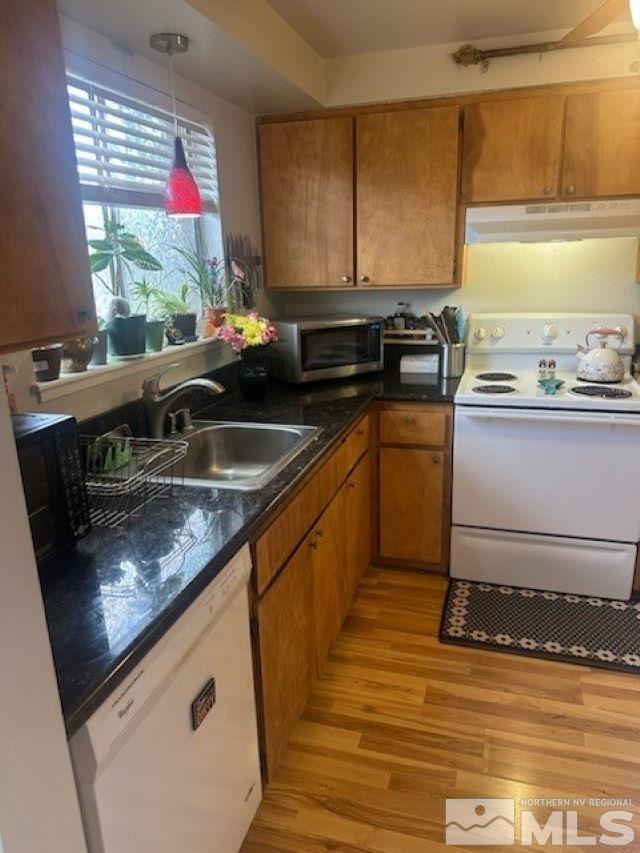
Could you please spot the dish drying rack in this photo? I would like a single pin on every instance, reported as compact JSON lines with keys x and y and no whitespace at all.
{"x":138,"y":471}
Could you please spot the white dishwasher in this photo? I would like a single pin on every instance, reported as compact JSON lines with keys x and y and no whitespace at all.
{"x":170,"y":761}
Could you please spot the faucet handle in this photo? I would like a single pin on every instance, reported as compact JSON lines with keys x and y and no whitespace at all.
{"x":151,"y":385}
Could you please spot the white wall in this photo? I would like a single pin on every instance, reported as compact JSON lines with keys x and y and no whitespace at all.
{"x":424,"y":72}
{"x":588,"y":275}
{"x":38,"y":804}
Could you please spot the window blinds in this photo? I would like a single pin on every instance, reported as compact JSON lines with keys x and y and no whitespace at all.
{"x":124,"y":148}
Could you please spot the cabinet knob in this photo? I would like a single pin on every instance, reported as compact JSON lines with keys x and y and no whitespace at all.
{"x":435,"y":458}
{"x":364,"y":278}
{"x":409,"y":420}
{"x":313,"y":544}
{"x":85,"y":313}
{"x":320,"y":533}
{"x":547,"y":190}
{"x":351,"y":484}
{"x":346,"y":278}
{"x":571,"y":189}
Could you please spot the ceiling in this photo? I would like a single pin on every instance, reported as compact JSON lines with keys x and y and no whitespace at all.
{"x":343,"y":27}
{"x":215,"y":60}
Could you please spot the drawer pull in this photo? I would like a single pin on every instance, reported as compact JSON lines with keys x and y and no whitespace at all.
{"x":409,"y":420}
{"x":313,"y":544}
{"x":435,"y":458}
{"x":351,"y":484}
{"x":320,"y":533}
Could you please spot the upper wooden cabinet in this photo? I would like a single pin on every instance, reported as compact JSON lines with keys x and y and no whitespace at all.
{"x":602,"y":140}
{"x":306,"y":171}
{"x":406,"y":196}
{"x":512,"y":149}
{"x":45,"y":285}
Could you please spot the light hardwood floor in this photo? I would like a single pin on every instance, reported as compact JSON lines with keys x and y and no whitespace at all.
{"x":398,"y":722}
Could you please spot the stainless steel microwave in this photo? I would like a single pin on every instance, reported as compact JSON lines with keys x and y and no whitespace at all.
{"x":332,"y":346}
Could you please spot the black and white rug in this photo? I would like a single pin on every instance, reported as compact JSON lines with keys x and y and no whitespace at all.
{"x":553,"y":625}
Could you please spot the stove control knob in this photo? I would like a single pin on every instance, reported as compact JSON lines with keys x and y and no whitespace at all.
{"x":480,"y":333}
{"x":549,"y":332}
{"x":498,"y":333}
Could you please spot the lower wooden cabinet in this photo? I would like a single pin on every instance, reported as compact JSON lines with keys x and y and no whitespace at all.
{"x":414,"y":484}
{"x":358,"y":527}
{"x":411,"y":504}
{"x":287,"y":651}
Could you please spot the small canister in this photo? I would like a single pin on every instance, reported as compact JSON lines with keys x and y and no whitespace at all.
{"x":453,"y":356}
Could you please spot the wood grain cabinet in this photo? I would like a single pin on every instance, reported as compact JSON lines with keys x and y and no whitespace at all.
{"x":308,"y":563}
{"x":306,"y":177}
{"x":45,"y":285}
{"x":512,"y":149}
{"x":406,"y":196}
{"x":414,"y":484}
{"x":287,"y":651}
{"x":602,"y":140}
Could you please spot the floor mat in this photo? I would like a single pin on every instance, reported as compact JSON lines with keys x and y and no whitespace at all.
{"x":552,"y":625}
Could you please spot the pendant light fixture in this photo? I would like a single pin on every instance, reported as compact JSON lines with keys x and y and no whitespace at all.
{"x":181,"y":196}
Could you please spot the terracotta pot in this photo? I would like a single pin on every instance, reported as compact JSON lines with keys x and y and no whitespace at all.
{"x":213,"y":318}
{"x":76,"y":354}
{"x":46,"y":362}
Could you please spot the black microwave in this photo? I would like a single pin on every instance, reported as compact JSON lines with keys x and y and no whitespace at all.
{"x":53,"y":482}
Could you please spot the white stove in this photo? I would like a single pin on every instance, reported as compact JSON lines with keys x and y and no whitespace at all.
{"x":503,"y":352}
{"x":545,"y":486}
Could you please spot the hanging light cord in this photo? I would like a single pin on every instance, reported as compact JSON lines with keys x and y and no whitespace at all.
{"x":173,"y":95}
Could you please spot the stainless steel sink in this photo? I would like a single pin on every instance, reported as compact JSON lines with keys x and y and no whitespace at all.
{"x":225,"y":455}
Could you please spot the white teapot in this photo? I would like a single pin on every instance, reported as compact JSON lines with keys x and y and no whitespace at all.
{"x":601,"y":363}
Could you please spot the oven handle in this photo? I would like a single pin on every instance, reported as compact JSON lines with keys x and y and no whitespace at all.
{"x":604,"y":419}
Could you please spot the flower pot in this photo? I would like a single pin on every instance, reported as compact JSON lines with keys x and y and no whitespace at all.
{"x":99,"y":356}
{"x":252,"y":378}
{"x":46,"y":362}
{"x":186,"y":323}
{"x":154,"y":335}
{"x":127,"y":336}
{"x":76,"y":354}
{"x":212,"y":320}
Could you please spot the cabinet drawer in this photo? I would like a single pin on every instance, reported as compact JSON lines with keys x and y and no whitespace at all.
{"x":352,"y":448}
{"x":412,"y":426}
{"x":287,"y":530}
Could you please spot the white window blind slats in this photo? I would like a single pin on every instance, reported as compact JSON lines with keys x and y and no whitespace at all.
{"x":124,"y":148}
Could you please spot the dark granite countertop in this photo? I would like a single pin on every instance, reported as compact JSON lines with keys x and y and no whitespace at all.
{"x":117,"y":593}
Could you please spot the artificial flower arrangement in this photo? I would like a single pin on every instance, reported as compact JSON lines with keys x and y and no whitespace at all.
{"x":242,"y":331}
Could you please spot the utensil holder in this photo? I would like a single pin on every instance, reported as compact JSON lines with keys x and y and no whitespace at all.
{"x":453,"y":356}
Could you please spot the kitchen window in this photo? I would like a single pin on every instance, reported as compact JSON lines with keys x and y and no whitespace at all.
{"x":124,"y":150}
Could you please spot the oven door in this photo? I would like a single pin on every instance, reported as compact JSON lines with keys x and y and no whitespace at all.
{"x":340,"y":350}
{"x":572,"y":474}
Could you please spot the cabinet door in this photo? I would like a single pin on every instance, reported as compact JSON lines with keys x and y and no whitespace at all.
{"x":45,"y":285}
{"x":306,"y":171}
{"x":358,"y":515}
{"x":602,"y":140}
{"x":329,"y":567}
{"x":406,"y":190}
{"x":512,"y":149}
{"x":287,"y":652}
{"x":412,"y":496}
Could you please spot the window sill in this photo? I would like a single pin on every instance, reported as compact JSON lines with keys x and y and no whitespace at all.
{"x":70,"y":383}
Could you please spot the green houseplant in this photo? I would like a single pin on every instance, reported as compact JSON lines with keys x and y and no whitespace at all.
{"x":179,"y":317}
{"x":208,"y":278}
{"x":146,"y":294}
{"x":123,"y":254}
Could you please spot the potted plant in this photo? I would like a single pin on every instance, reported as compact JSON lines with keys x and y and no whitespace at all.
{"x":99,"y":356}
{"x":249,"y":335}
{"x":180,"y":319}
{"x":122,"y":253}
{"x":208,"y":278}
{"x":154,"y":328}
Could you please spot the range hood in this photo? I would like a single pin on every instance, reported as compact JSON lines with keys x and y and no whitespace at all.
{"x":541,"y":222}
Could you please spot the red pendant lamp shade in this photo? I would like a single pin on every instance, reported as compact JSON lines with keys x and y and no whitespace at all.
{"x":181,"y":195}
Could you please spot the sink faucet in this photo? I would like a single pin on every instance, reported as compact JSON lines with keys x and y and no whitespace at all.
{"x":157,"y":405}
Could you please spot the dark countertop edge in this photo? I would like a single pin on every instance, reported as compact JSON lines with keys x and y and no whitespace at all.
{"x":148,"y":638}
